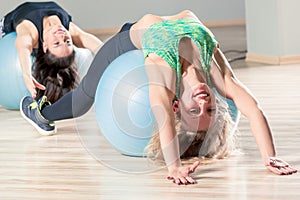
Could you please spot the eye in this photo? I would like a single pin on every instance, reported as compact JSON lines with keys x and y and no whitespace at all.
{"x":195,"y":111}
{"x":68,"y":42}
{"x":211,"y":110}
{"x":56,"y":43}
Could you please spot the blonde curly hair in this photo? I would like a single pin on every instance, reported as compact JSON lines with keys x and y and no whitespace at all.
{"x":216,"y":143}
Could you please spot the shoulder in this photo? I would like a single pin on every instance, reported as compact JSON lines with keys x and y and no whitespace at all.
{"x":160,"y":73}
{"x":222,"y":74}
{"x":26,"y":29}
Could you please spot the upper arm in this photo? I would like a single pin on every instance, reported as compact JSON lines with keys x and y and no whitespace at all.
{"x":83,"y":39}
{"x":75,"y":32}
{"x":234,"y":89}
{"x":161,"y":92}
{"x":24,"y":45}
{"x":242,"y":97}
{"x":161,"y":81}
{"x":24,"y":42}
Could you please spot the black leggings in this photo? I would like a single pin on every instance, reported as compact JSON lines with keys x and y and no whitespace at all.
{"x":80,"y":100}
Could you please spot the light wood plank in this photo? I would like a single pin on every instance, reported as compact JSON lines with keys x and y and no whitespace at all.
{"x":61,"y":167}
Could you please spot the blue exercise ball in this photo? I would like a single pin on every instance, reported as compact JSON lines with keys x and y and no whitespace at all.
{"x":12,"y":86}
{"x":122,"y":105}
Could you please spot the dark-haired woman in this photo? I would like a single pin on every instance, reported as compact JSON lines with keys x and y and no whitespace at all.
{"x":47,"y":28}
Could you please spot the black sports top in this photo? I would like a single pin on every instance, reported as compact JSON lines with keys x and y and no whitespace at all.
{"x":35,"y":12}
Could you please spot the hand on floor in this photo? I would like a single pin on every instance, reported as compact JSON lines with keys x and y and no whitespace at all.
{"x":280,"y":167}
{"x":181,"y":175}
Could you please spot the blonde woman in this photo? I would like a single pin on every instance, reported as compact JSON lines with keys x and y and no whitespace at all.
{"x":184,"y":62}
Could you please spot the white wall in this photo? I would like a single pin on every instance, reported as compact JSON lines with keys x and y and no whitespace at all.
{"x":262,"y":26}
{"x":91,"y":14}
{"x":273,"y":31}
{"x":289,"y":27}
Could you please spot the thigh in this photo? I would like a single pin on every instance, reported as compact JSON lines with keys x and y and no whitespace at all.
{"x":116,"y":46}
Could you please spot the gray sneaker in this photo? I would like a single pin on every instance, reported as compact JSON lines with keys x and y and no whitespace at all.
{"x":31,"y":110}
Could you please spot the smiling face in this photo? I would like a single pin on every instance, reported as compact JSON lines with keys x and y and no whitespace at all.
{"x":58,"y":41}
{"x":197,"y":107}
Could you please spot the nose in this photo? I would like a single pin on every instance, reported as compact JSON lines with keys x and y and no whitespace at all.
{"x":203,"y":105}
{"x":61,"y":35}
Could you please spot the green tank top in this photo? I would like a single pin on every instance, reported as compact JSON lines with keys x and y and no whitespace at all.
{"x":162,"y":38}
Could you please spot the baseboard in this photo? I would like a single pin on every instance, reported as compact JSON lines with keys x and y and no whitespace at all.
{"x":273,"y":60}
{"x":209,"y":24}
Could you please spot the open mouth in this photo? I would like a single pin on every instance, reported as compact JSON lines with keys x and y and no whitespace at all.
{"x":60,"y":31}
{"x":201,"y":94}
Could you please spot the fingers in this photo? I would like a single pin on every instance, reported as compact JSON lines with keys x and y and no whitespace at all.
{"x":31,"y":85}
{"x":35,"y":85}
{"x":287,"y":170}
{"x":31,"y":89}
{"x":194,"y":166}
{"x":182,"y":176}
{"x":282,"y":170}
{"x":41,"y":87}
{"x":274,"y":170}
{"x":190,"y":180}
{"x":33,"y":93}
{"x":38,"y":85}
{"x":293,"y":170}
{"x":33,"y":96}
{"x":182,"y":180}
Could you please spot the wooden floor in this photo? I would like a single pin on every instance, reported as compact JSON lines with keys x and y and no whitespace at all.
{"x":77,"y":163}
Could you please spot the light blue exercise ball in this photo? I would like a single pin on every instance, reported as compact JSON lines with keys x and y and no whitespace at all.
{"x":12,"y":86}
{"x":122,"y":105}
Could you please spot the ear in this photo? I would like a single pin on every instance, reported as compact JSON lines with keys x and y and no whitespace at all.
{"x":44,"y":47}
{"x":175,"y":106}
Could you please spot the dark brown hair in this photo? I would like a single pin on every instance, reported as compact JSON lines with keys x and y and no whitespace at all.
{"x":58,"y":74}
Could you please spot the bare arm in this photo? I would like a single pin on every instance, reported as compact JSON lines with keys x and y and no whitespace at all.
{"x":250,"y":107}
{"x":83,"y":39}
{"x":161,"y":89}
{"x":24,"y":45}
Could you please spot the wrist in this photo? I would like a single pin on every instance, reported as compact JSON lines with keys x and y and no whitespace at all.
{"x":267,"y":159}
{"x":27,"y":76}
{"x":174,"y":165}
